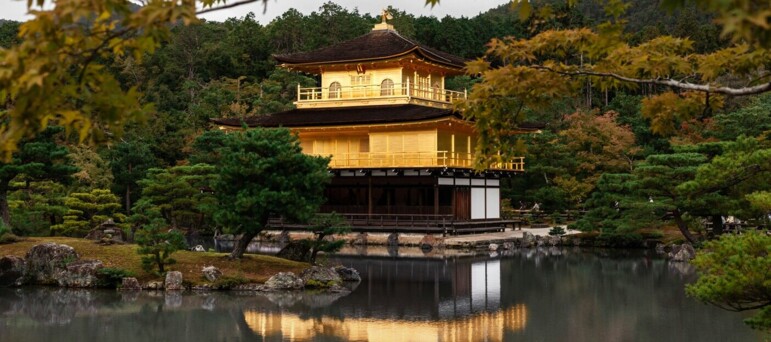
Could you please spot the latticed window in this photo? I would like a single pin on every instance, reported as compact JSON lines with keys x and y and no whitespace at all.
{"x":334,"y":90}
{"x":387,"y":87}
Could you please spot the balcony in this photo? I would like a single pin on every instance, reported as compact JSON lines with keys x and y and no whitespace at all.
{"x":397,"y":93}
{"x":416,"y":160}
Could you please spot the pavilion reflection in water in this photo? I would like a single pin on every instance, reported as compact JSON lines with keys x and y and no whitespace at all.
{"x":483,"y":326}
{"x":456,"y":301}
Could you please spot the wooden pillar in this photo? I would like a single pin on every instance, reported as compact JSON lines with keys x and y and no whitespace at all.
{"x":436,"y":198}
{"x":369,"y":197}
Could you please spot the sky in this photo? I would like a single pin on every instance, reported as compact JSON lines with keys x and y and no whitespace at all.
{"x":16,"y":10}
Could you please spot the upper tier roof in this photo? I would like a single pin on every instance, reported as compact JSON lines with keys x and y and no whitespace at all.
{"x":320,"y":117}
{"x":375,"y":45}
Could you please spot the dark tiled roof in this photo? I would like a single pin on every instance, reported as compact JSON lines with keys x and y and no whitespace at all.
{"x":379,"y":44}
{"x":319,"y":117}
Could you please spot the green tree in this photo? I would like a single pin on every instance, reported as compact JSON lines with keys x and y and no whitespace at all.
{"x":129,"y":161}
{"x":157,"y":246}
{"x":735,"y":274}
{"x":94,"y":172}
{"x":37,"y":159}
{"x":87,"y":210}
{"x":263,"y":173}
{"x":182,"y":195}
{"x":37,"y":207}
{"x":324,"y":226}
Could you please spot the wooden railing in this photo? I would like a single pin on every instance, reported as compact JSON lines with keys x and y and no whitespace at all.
{"x":377,"y":91}
{"x":416,"y":159}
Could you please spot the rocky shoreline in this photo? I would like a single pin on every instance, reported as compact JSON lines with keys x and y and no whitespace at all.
{"x":53,"y":264}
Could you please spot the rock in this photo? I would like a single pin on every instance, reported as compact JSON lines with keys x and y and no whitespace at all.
{"x":283,"y":281}
{"x":493,"y":247}
{"x":130,"y":284}
{"x":393,"y":239}
{"x":211,"y":273}
{"x":173,"y":281}
{"x":661,"y":248}
{"x":11,"y":271}
{"x":360,"y":240}
{"x":320,"y":277}
{"x":429,"y":242}
{"x":528,"y":240}
{"x":283,"y":238}
{"x":348,"y":273}
{"x":248,"y":287}
{"x":46,"y":260}
{"x":508,"y":245}
{"x":295,"y":250}
{"x":684,"y":254}
{"x":198,"y":248}
{"x":551,"y":241}
{"x":154,"y":285}
{"x":81,"y":273}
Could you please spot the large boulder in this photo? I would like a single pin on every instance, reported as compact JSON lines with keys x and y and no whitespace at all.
{"x":173,"y":281}
{"x":295,"y":250}
{"x":347,"y":273}
{"x":81,"y":273}
{"x":682,"y":254}
{"x":528,"y":240}
{"x":283,"y":281}
{"x":360,"y":239}
{"x":320,"y":277}
{"x":46,"y":261}
{"x":429,"y":242}
{"x":211,"y":273}
{"x":11,"y":271}
{"x":130,"y":284}
{"x":393,"y":239}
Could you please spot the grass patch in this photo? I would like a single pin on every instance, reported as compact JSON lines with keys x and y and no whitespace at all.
{"x":252,"y":268}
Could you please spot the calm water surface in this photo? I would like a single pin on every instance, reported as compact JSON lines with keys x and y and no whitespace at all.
{"x":529,"y":295}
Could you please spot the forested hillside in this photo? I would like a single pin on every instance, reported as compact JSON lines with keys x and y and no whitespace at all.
{"x":225,"y":69}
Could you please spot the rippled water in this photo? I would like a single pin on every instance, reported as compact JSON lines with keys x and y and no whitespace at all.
{"x":530,"y":295}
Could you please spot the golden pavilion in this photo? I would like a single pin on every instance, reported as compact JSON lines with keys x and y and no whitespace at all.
{"x":401,"y":156}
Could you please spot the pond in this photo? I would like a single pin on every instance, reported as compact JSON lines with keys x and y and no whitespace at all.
{"x":527,"y":295}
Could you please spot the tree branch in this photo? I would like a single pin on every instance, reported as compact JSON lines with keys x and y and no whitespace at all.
{"x":758,"y":89}
{"x":235,"y":4}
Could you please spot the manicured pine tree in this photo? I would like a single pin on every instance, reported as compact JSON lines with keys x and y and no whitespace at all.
{"x":262,"y":174}
{"x":36,"y":159}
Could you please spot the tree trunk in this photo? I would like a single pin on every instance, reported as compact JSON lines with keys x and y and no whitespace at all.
{"x":717,"y":225}
{"x":243,"y":242}
{"x":682,"y":226}
{"x":128,"y":195}
{"x":5,"y":213}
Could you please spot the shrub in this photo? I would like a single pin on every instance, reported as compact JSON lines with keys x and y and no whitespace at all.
{"x":111,"y":277}
{"x":226,"y":282}
{"x":156,"y":246}
{"x":557,"y":230}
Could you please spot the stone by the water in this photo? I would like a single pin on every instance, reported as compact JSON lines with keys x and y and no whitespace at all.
{"x":11,"y":271}
{"x":493,"y":247}
{"x":45,"y":261}
{"x":348,"y":273}
{"x":283,"y":281}
{"x":81,"y":273}
{"x":393,"y":239}
{"x":173,"y":281}
{"x":198,"y":248}
{"x":130,"y":284}
{"x":528,"y":240}
{"x":684,"y":253}
{"x":320,"y":277}
{"x":211,"y":273}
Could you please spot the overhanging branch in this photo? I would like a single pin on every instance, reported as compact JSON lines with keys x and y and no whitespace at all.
{"x":758,"y":89}
{"x":231,"y":5}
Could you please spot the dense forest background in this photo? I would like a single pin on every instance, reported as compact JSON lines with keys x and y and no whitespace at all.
{"x":225,"y":69}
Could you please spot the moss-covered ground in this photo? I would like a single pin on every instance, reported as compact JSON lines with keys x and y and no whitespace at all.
{"x":254,"y":268}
